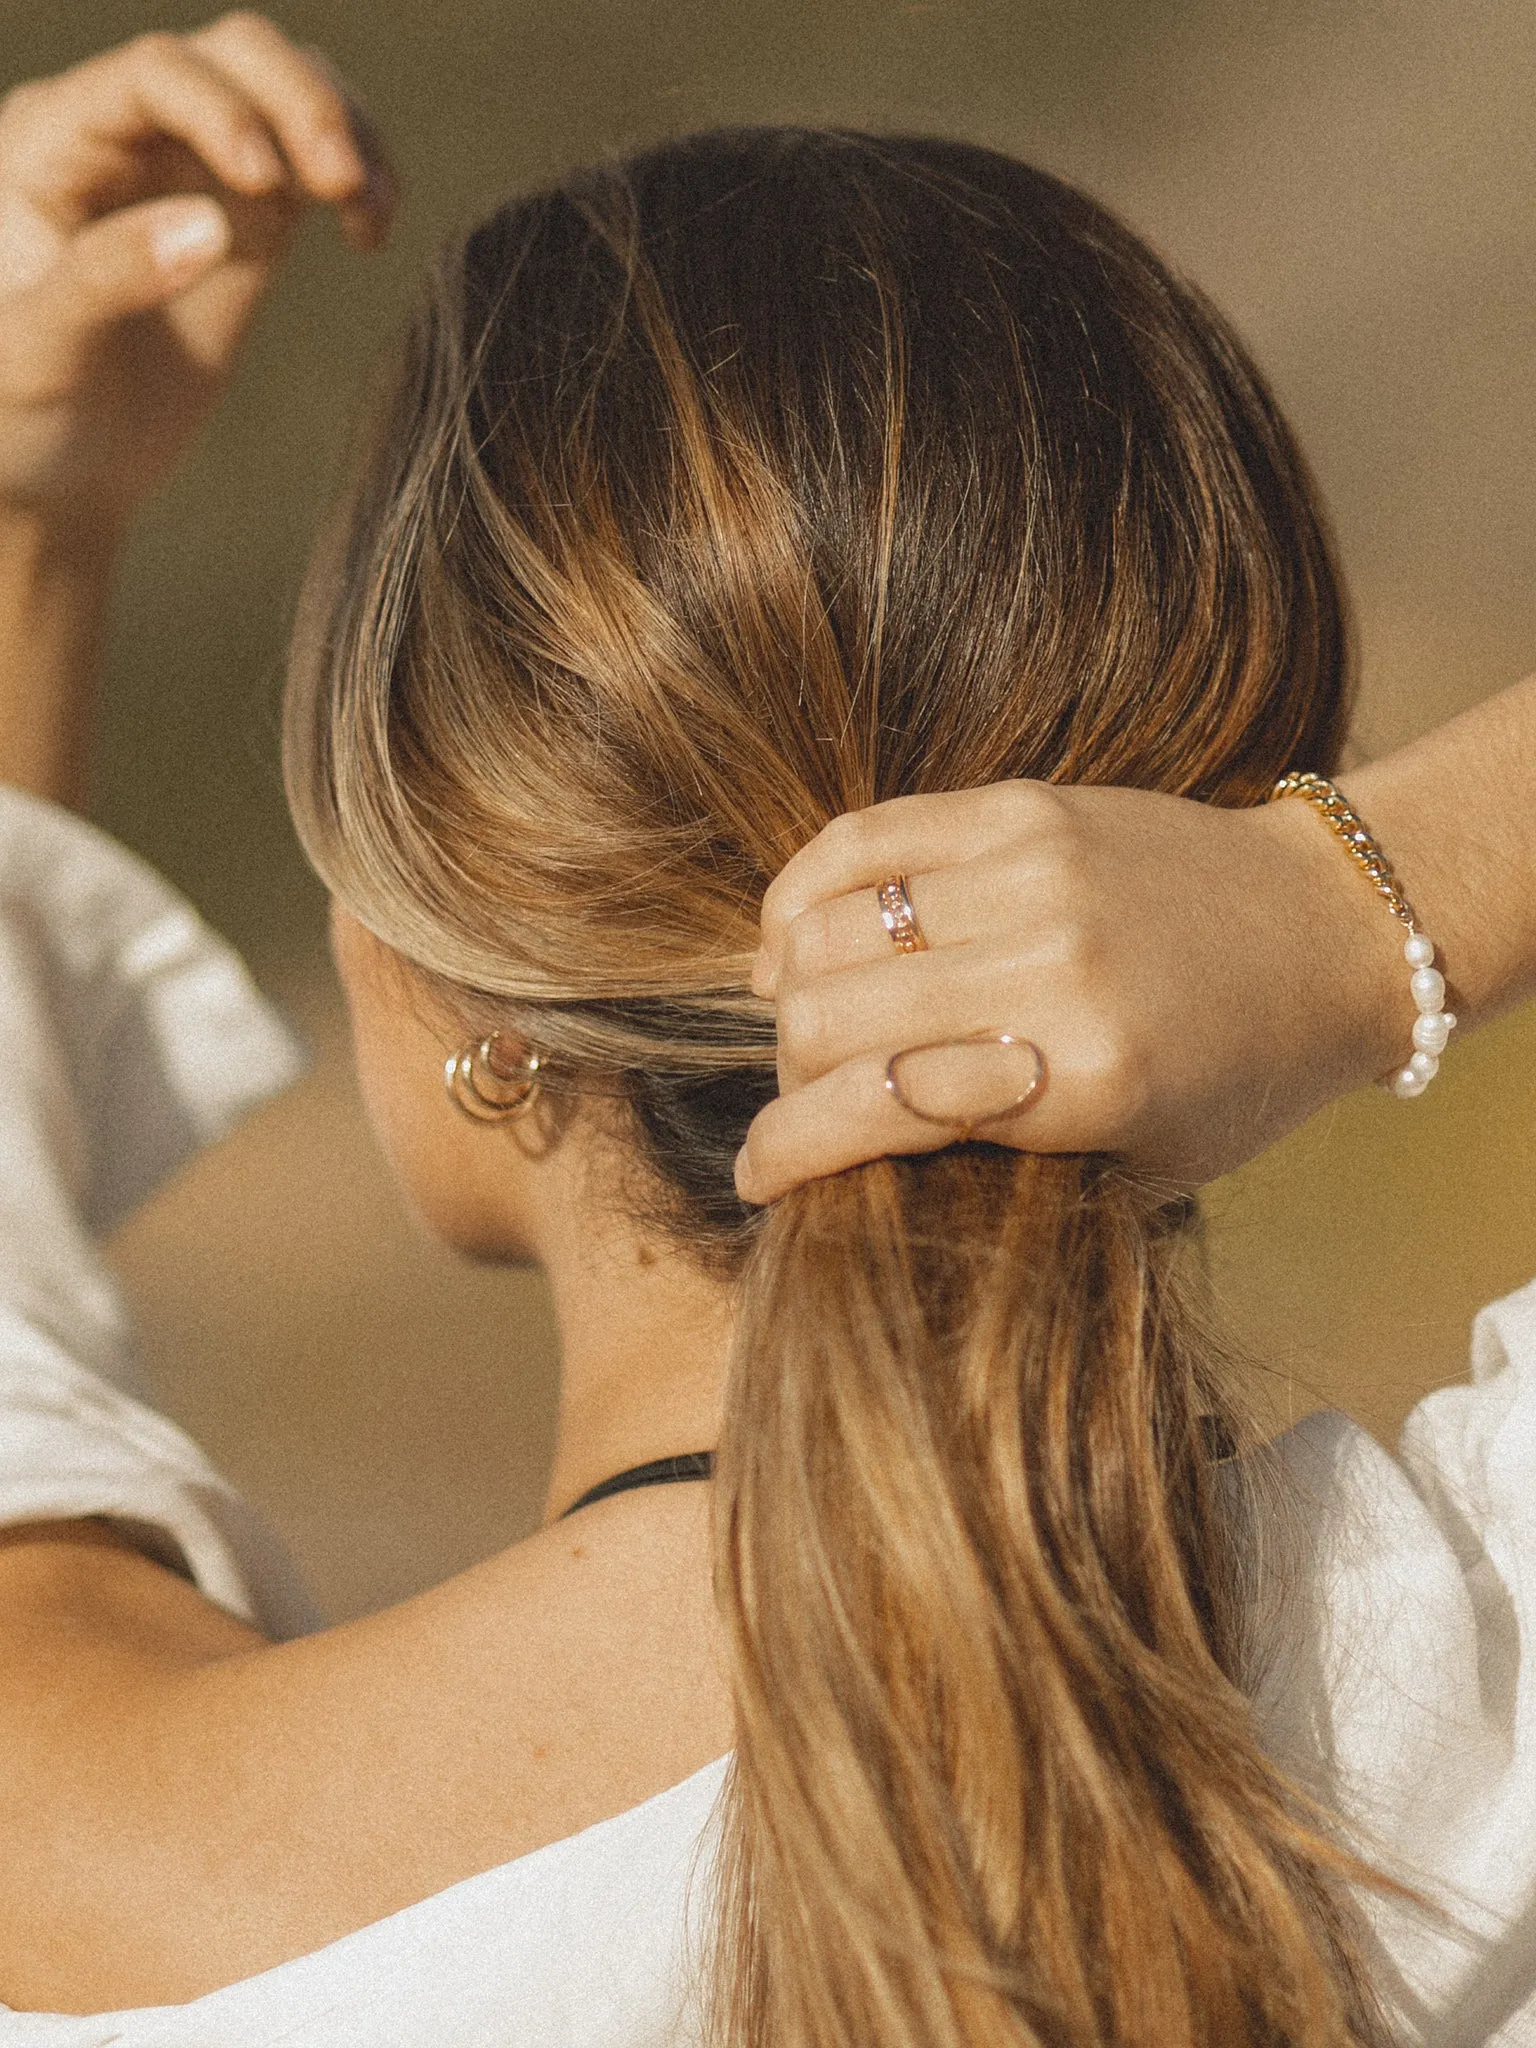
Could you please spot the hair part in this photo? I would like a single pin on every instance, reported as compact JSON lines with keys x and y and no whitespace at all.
{"x":756,"y":479}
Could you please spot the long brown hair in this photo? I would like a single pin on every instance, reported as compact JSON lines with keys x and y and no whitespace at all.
{"x":749,"y":482}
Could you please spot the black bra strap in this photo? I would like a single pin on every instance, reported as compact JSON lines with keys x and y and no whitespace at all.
{"x":660,"y":1472}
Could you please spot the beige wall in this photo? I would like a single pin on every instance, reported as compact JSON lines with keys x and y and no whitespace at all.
{"x":1352,"y":181}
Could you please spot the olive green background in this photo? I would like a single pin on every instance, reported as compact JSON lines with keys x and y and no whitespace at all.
{"x":1353,"y":182}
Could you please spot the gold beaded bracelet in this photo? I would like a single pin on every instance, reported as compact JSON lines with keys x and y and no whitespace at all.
{"x":1435,"y":1023}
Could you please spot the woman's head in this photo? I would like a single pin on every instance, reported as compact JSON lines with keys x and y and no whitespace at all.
{"x":768,"y":475}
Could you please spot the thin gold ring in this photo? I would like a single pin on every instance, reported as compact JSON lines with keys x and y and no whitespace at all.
{"x":963,"y":1128}
{"x":898,"y":916}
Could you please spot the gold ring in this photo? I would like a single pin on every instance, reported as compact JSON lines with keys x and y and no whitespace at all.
{"x":963,"y":1127}
{"x":898,"y":916}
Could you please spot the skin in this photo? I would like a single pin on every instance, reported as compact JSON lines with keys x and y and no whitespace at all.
{"x":643,"y":1334}
{"x":196,"y":1804}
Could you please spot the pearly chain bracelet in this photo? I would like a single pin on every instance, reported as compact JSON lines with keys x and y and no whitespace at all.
{"x":1434,"y":1023}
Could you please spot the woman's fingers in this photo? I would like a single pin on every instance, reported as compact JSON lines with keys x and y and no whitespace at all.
{"x":844,"y":1118}
{"x":262,"y":117}
{"x":851,"y":1115}
{"x":903,"y":1000}
{"x":295,"y":100}
{"x":366,"y":218}
{"x":1120,"y":930}
{"x":163,"y":177}
{"x":912,"y":999}
{"x":911,"y":835}
{"x":69,"y":143}
{"x":847,"y":931}
{"x":1013,"y":886}
{"x":128,"y":263}
{"x":324,"y":130}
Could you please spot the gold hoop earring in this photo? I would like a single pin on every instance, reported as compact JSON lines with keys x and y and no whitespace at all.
{"x":479,"y":1089}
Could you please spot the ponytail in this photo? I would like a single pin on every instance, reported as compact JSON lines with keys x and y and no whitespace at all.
{"x":996,"y":1781}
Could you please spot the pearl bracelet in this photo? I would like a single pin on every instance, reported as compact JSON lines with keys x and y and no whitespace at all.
{"x":1434,"y":1023}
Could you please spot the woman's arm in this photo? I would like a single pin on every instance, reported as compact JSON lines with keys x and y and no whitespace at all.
{"x":55,"y":580}
{"x":1457,"y":812}
{"x":1199,"y":980}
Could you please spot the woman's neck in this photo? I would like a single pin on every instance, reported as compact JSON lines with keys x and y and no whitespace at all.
{"x":644,"y":1336}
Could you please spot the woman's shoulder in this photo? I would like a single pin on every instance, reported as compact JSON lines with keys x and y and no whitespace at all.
{"x":1463,"y":1470}
{"x":1460,"y":1491}
{"x":1399,"y":1683}
{"x":558,"y":1684}
{"x":588,"y":1940}
{"x":133,"y":1034}
{"x":1472,"y":1447}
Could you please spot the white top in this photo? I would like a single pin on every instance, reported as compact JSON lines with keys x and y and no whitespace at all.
{"x":1402,"y":1685}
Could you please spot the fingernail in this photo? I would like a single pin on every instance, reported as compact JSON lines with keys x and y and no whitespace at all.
{"x":186,"y":236}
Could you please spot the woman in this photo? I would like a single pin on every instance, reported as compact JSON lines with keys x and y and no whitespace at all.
{"x":769,"y":478}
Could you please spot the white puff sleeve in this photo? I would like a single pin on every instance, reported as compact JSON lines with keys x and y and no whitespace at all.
{"x":130,"y":1037}
{"x":1403,"y":1686}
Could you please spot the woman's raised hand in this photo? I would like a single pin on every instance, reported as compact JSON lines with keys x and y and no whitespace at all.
{"x":1198,"y":980}
{"x":145,"y":199}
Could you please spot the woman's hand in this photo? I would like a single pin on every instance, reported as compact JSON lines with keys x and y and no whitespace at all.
{"x":145,"y":199}
{"x":1198,"y":980}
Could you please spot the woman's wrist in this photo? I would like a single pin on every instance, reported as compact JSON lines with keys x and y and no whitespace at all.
{"x":1454,"y":813}
{"x":1359,"y":1015}
{"x":56,"y":571}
